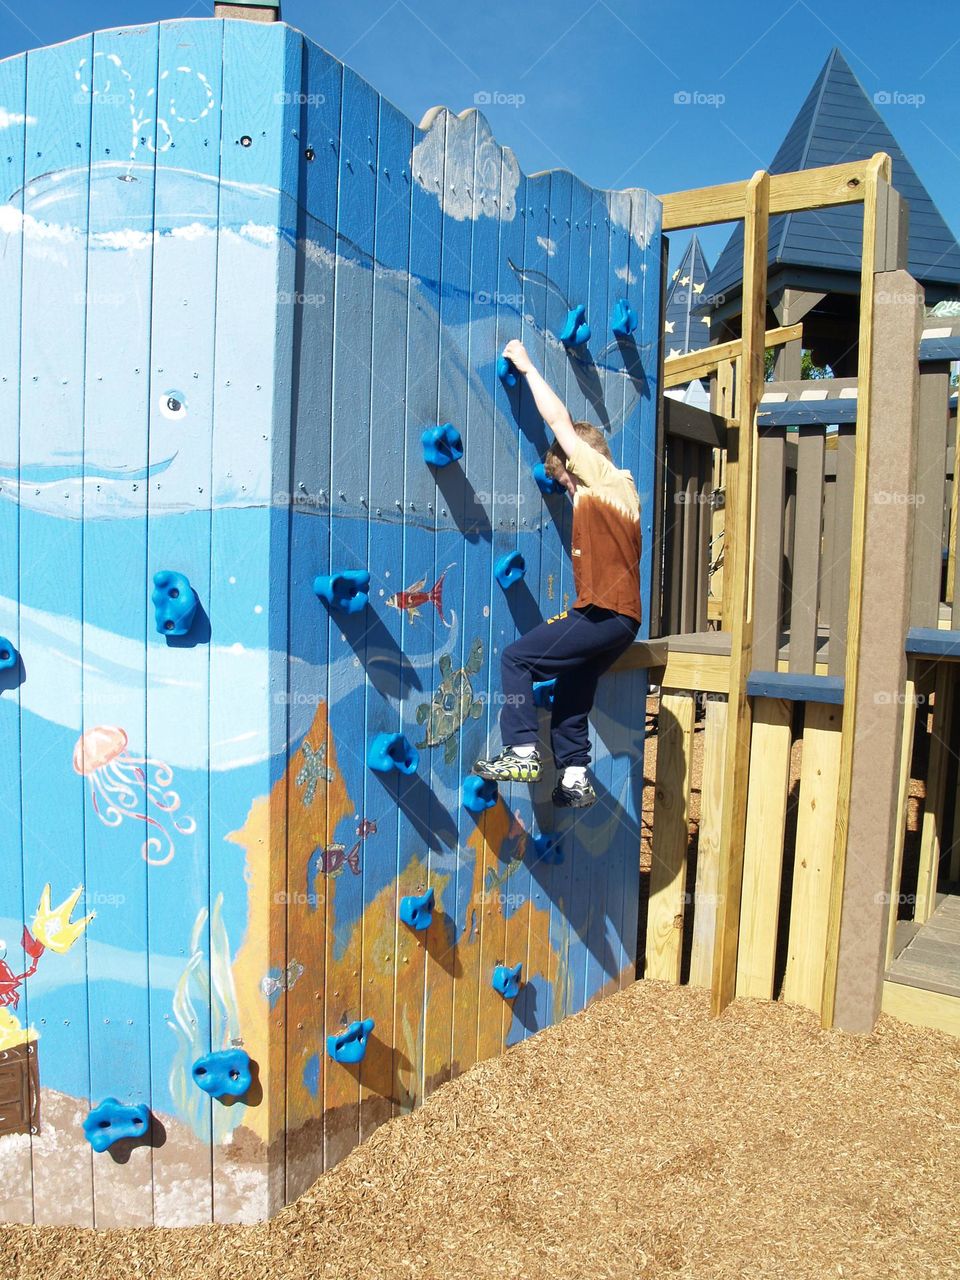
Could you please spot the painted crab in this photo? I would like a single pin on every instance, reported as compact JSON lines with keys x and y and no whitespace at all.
{"x":452,"y":703}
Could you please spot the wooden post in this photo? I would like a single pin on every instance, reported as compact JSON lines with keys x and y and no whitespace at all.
{"x":763,"y":846}
{"x":806,"y":554}
{"x":877,"y":621}
{"x":768,"y":565}
{"x":708,"y":842}
{"x":930,"y":472}
{"x":250,"y":10}
{"x":671,"y":812}
{"x":840,"y":564}
{"x":903,"y":787}
{"x":738,"y":590}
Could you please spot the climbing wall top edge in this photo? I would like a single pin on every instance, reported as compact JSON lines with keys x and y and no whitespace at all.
{"x":298,"y":109}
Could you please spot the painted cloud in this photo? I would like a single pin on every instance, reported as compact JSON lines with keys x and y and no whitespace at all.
{"x":464,"y":191}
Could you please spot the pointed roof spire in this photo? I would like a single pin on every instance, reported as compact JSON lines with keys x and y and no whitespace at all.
{"x":684,"y":328}
{"x":838,"y":123}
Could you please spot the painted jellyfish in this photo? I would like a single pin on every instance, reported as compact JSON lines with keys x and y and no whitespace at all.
{"x":121,"y":786}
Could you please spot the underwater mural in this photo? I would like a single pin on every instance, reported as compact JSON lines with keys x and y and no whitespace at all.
{"x":263,"y":299}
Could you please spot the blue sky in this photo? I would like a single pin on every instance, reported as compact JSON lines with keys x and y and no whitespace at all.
{"x":591,"y":85}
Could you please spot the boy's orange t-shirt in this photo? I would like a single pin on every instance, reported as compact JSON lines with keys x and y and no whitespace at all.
{"x":605,"y":545}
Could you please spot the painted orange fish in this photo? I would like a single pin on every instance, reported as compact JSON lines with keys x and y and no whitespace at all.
{"x":409,"y":601}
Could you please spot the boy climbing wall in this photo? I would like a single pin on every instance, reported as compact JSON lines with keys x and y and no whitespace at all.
{"x":578,"y":645}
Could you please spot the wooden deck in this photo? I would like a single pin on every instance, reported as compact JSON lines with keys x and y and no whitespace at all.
{"x":931,"y":957}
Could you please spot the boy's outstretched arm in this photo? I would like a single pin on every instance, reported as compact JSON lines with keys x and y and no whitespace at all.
{"x":549,"y":405}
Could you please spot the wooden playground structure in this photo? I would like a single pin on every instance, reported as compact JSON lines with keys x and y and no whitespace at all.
{"x":293,"y":891}
{"x":837,"y":617}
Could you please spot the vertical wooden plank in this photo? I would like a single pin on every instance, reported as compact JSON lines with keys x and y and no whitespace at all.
{"x":763,"y":846}
{"x":803,"y":980}
{"x":738,"y":589}
{"x":769,"y":549}
{"x":876,"y":667}
{"x":951,"y":522}
{"x":249,"y":609}
{"x":903,"y":788}
{"x":806,"y":551}
{"x":645,"y":246}
{"x":828,"y":551}
{"x":51,"y":604}
{"x":351,"y":452}
{"x":311,"y":873}
{"x":134,"y":842}
{"x":670,"y":836}
{"x":932,"y":828}
{"x":688,"y":515}
{"x":182,"y":329}
{"x":419,"y":634}
{"x":842,"y":527}
{"x":704,"y":520}
{"x":15,"y":1150}
{"x":504,"y":883}
{"x":673,"y":535}
{"x":392,"y":455}
{"x":708,"y":841}
{"x":540,"y":317}
{"x":464,"y":645}
{"x":933,"y":423}
{"x":604,"y":844}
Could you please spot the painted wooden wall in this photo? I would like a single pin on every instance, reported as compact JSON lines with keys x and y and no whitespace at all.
{"x":235,"y":286}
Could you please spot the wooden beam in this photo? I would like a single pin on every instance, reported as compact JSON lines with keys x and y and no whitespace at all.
{"x":690,"y":423}
{"x":250,"y":10}
{"x":789,"y":193}
{"x":903,"y":788}
{"x":922,"y":1008}
{"x":934,"y":808}
{"x":698,"y":364}
{"x":810,"y":893}
{"x":891,"y":311}
{"x":738,"y":590}
{"x":671,"y":836}
{"x":763,"y":847}
{"x":708,"y":843}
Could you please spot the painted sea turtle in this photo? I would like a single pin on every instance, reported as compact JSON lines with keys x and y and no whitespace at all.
{"x":452,"y":703}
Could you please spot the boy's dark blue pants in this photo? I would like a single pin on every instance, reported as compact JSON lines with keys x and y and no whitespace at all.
{"x":576,"y":647}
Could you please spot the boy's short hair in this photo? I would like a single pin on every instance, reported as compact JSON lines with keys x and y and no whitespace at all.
{"x":555,"y":459}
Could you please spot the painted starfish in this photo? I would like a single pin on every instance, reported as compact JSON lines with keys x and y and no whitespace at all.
{"x":314,"y":770}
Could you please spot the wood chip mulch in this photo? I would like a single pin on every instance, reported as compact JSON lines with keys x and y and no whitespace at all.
{"x":638,"y":1139}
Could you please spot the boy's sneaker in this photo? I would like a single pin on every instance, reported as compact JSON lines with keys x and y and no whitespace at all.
{"x":510,"y":767}
{"x":574,"y":795}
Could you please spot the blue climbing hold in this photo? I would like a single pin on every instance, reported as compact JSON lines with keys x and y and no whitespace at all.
{"x":224,"y":1074}
{"x":624,"y":319}
{"x":507,"y":981}
{"x":479,"y":794}
{"x":507,"y":372}
{"x":442,"y":445}
{"x":547,"y":848}
{"x":350,"y":1045}
{"x":543,"y":692}
{"x":576,"y":331}
{"x":175,"y":603}
{"x":509,"y":569}
{"x":417,"y":912}
{"x":389,"y":751}
{"x":347,"y":590}
{"x":8,"y":655}
{"x":112,"y":1121}
{"x":546,"y":483}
